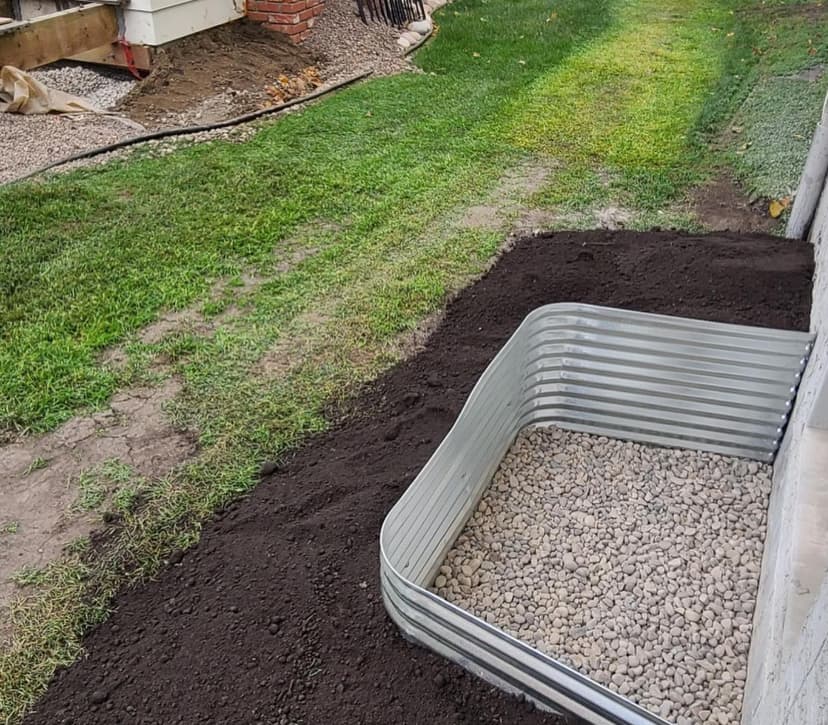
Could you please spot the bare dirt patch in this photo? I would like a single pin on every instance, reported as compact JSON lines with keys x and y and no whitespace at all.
{"x":292,"y":348}
{"x":722,"y":205}
{"x":172,"y":322}
{"x":214,"y":75}
{"x":507,"y":200}
{"x":39,"y":476}
{"x":614,"y":217}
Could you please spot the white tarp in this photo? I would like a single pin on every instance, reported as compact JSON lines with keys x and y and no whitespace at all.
{"x":20,"y":93}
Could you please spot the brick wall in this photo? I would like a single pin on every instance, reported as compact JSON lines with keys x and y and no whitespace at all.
{"x":294,"y":18}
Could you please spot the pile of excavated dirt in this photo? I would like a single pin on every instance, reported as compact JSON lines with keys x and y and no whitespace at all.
{"x":211,"y":76}
{"x":276,"y":615}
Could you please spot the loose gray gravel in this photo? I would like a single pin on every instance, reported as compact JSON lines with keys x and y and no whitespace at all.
{"x":101,"y":87}
{"x":635,"y":565}
{"x":29,"y":142}
{"x":348,"y":46}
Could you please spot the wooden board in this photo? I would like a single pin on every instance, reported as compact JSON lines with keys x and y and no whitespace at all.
{"x":113,"y":54}
{"x":32,"y":43}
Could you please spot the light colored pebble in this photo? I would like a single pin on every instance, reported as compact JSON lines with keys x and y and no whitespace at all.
{"x":421,"y":27}
{"x":634,"y":564}
{"x":101,"y":87}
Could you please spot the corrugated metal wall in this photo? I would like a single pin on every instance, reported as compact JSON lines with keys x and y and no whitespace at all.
{"x":649,"y":378}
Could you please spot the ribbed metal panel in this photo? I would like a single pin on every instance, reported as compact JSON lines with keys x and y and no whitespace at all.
{"x":655,"y":379}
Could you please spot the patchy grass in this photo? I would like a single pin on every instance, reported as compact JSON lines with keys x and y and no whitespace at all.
{"x":98,"y":482}
{"x":37,"y":464}
{"x":781,"y":101}
{"x":364,"y":184}
{"x":381,"y":160}
{"x":29,"y":576}
{"x":627,"y":103}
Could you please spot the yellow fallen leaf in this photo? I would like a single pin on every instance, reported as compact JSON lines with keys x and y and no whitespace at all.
{"x":777,"y":206}
{"x":475,"y":55}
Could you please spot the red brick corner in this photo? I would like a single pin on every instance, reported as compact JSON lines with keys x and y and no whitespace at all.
{"x":294,"y":18}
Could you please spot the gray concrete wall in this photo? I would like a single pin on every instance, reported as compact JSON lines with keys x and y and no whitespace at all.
{"x":35,"y":8}
{"x":788,"y":669}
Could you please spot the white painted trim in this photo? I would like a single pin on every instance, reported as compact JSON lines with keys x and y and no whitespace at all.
{"x":156,"y":22}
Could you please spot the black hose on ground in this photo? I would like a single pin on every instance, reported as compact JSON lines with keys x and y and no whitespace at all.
{"x":187,"y":130}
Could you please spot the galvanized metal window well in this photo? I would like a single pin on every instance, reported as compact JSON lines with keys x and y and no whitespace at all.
{"x":654,"y":379}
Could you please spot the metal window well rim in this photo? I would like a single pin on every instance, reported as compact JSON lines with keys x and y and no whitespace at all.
{"x":648,"y":378}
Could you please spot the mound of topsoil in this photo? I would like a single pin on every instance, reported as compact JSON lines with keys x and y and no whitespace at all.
{"x":213,"y":75}
{"x":276,"y":616}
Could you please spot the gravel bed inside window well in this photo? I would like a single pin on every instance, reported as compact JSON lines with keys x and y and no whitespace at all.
{"x":635,"y":565}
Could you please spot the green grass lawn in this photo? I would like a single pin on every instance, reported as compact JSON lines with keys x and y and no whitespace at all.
{"x":359,"y":190}
{"x":772,"y":130}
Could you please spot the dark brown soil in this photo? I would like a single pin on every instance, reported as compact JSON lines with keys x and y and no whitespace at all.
{"x":722,"y":205}
{"x":218,"y":74}
{"x":276,"y":616}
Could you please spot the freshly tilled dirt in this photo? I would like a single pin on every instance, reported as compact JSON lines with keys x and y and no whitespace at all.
{"x":633,"y":564}
{"x":214,"y":75}
{"x":276,"y":615}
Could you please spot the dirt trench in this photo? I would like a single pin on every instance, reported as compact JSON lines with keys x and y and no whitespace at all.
{"x":276,"y":615}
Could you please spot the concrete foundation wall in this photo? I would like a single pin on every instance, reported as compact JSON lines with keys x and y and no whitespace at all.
{"x":35,"y":8}
{"x":788,"y":669}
